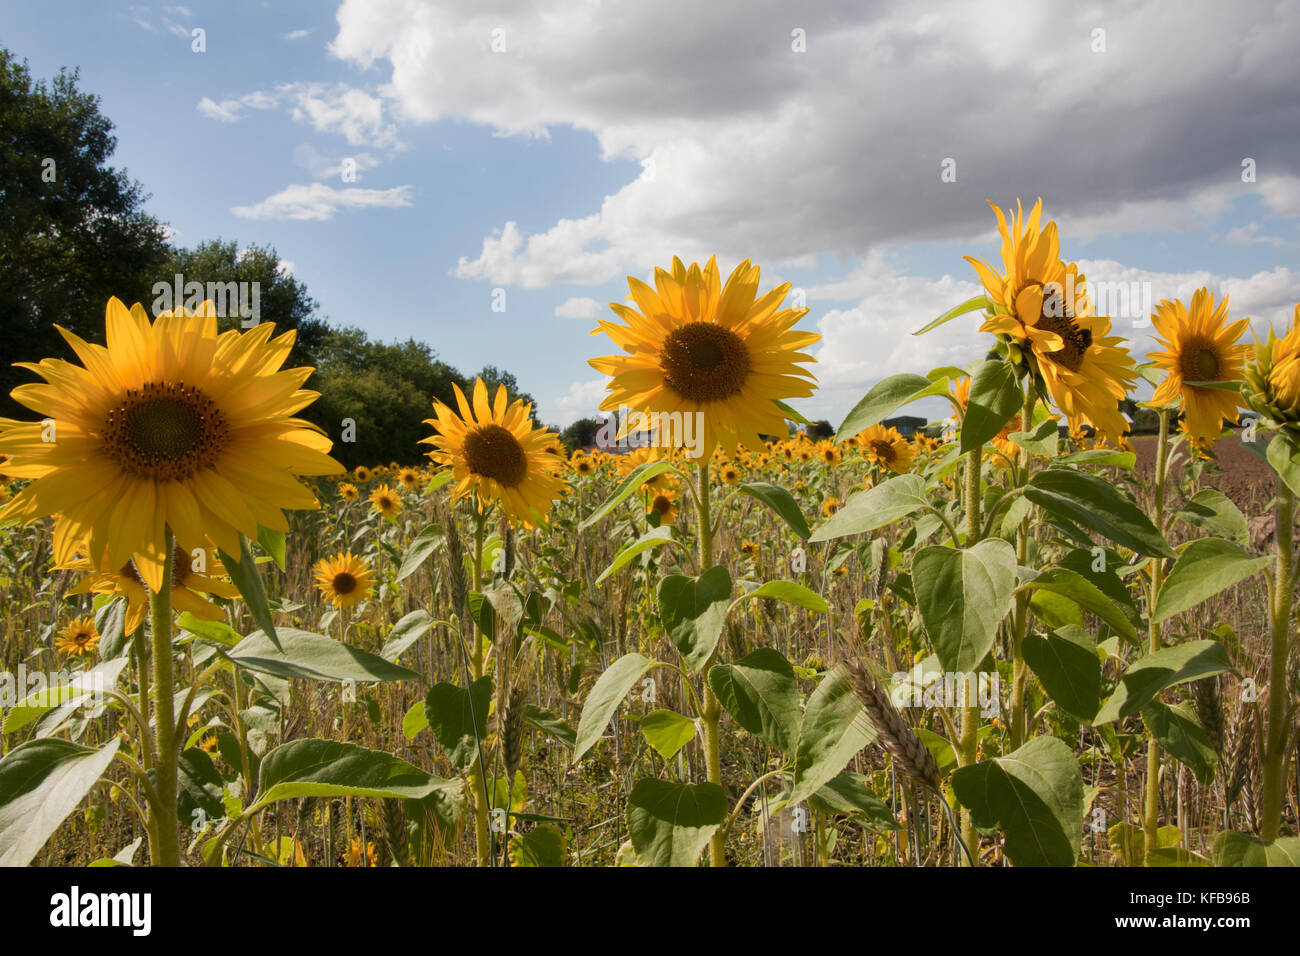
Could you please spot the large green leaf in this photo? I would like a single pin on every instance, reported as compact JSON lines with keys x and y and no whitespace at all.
{"x":548,"y":723}
{"x":1102,"y":576}
{"x":994,"y":397}
{"x":458,"y":718}
{"x":1099,"y":506}
{"x":962,"y":595}
{"x":1242,"y":849}
{"x":670,"y":823}
{"x":834,"y":728}
{"x":759,"y":691}
{"x":693,"y":612}
{"x":1211,"y":510}
{"x":605,"y":696}
{"x":1206,"y":567}
{"x":781,"y":502}
{"x":638,"y":476}
{"x":1077,"y":588}
{"x":1149,"y":675}
{"x":308,"y":656}
{"x":883,"y":399}
{"x":406,"y":632}
{"x":243,"y":572}
{"x":420,"y":549}
{"x":667,"y":732}
{"x":651,"y":539}
{"x":874,"y":508}
{"x":41,"y":782}
{"x":1283,"y":455}
{"x":544,"y":845}
{"x":791,"y":593}
{"x":1034,"y":795}
{"x":850,"y":792}
{"x":1181,"y":735}
{"x":1066,"y":664}
{"x":331,"y":768}
{"x":84,"y":686}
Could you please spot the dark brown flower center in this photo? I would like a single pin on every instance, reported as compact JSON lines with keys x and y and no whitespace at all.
{"x":1199,"y":362}
{"x":166,"y":431}
{"x":343,"y":583}
{"x":884,"y":451}
{"x":1058,"y":316}
{"x":703,"y":362}
{"x":663,"y":504}
{"x":493,"y":452}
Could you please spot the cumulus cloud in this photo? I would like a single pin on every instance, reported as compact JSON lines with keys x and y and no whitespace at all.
{"x":320,"y":202}
{"x":356,"y":115}
{"x":753,"y":148}
{"x":580,"y":309}
{"x":581,"y":401}
{"x":297,"y":34}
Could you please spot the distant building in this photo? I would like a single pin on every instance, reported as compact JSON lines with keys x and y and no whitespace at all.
{"x":907,"y":425}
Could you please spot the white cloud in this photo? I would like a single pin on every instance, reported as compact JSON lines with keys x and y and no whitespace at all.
{"x":580,"y":309}
{"x":582,"y":400}
{"x":320,"y":202}
{"x":297,"y":34}
{"x":322,"y":166}
{"x":1249,"y":235}
{"x":356,"y":115}
{"x":752,"y":149}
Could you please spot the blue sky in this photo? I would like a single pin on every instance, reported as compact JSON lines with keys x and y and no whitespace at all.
{"x":611,"y":141}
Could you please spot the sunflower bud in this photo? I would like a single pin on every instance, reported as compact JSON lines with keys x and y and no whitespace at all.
{"x":1274,"y":378}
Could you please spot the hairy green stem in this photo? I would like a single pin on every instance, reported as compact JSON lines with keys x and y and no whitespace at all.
{"x":166,"y":852}
{"x":1277,"y":749}
{"x":1151,"y":808}
{"x":711,"y":711}
{"x":1018,"y":726}
{"x":967,"y":749}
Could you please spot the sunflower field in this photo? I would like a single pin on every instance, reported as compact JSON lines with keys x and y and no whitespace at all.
{"x":1032,"y":638}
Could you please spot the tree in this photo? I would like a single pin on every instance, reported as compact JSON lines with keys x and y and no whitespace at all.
{"x":581,"y":433}
{"x":73,"y":231}
{"x":819,"y":430}
{"x":492,"y":377}
{"x":281,"y":298}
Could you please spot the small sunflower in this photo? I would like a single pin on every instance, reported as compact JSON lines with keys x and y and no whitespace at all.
{"x":496,"y":452}
{"x":664,"y":503}
{"x":830,"y":506}
{"x":187,"y":585}
{"x":886,"y":447}
{"x":1042,"y":310}
{"x":344,"y":579}
{"x":582,"y":465}
{"x":749,"y":549}
{"x":408,"y":478}
{"x":361,"y":474}
{"x":1200,"y":346}
{"x":696,"y":346}
{"x":830,"y":455}
{"x":171,"y":425}
{"x":729,"y":474}
{"x":348,"y":491}
{"x":208,"y":743}
{"x":386,"y":502}
{"x":78,"y":638}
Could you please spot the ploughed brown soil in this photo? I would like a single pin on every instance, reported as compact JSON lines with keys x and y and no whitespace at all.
{"x":1239,"y":474}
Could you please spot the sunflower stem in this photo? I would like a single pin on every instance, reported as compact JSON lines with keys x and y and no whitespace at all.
{"x":1276,"y":749}
{"x":142,"y":685}
{"x":478,"y":785}
{"x":1018,"y":725}
{"x":967,"y":749}
{"x":166,"y":852}
{"x":711,"y":711}
{"x":1151,"y":808}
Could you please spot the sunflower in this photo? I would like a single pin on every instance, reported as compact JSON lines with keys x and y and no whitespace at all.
{"x":187,"y":584}
{"x":1041,"y":309}
{"x":830,"y":454}
{"x":344,"y":579}
{"x":348,"y":491}
{"x":409,"y":478}
{"x":886,"y":447}
{"x":663,"y":502}
{"x":1274,"y":377}
{"x":830,"y":506}
{"x":749,"y":549}
{"x":582,"y":464}
{"x":386,"y":502}
{"x":172,"y":425}
{"x":1199,"y":347}
{"x":79,"y":637}
{"x":697,"y":347}
{"x":729,"y":474}
{"x":208,"y":743}
{"x":497,"y":454}
{"x":361,"y":474}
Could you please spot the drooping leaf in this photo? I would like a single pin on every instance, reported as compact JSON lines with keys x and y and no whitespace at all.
{"x":41,"y":782}
{"x":1099,"y":506}
{"x":1078,"y":589}
{"x":761,"y":694}
{"x":834,"y":728}
{"x":994,"y":397}
{"x":406,"y":632}
{"x":1206,"y":567}
{"x":884,"y":398}
{"x":1211,"y":510}
{"x":306,"y":656}
{"x":790,"y":592}
{"x":874,"y":508}
{"x":963,"y":595}
{"x":1149,"y":675}
{"x":671,"y":823}
{"x":331,"y":768}
{"x":243,"y":572}
{"x":1066,"y":664}
{"x":1180,"y":734}
{"x":420,"y":549}
{"x":693,"y":611}
{"x":651,"y":539}
{"x":458,"y":718}
{"x":605,"y":696}
{"x":667,"y":732}
{"x":781,"y":502}
{"x":1034,"y":795}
